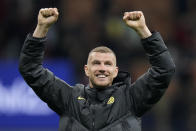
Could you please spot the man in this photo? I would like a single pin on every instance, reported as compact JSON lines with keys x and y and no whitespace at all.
{"x":110,"y":102}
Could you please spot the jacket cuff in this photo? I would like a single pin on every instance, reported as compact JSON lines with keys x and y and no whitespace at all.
{"x":34,"y":46}
{"x":39,"y":40}
{"x":154,"y":44}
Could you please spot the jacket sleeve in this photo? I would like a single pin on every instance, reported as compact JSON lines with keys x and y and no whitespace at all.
{"x":148,"y":89}
{"x":52,"y":90}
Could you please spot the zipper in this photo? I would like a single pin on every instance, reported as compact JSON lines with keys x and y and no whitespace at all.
{"x":93,"y":117}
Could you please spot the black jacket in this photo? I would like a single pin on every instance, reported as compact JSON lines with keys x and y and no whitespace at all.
{"x":116,"y":108}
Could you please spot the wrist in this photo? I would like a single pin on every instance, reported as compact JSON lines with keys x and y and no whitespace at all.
{"x":144,"y":32}
{"x":40,"y":31}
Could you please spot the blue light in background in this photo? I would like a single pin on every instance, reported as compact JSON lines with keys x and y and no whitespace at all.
{"x":19,"y":106}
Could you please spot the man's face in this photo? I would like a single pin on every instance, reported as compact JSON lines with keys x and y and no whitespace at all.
{"x":101,"y":69}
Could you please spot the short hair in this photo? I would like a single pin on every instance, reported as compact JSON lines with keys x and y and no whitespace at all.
{"x":102,"y":49}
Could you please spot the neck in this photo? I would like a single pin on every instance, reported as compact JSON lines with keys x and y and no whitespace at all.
{"x":97,"y":87}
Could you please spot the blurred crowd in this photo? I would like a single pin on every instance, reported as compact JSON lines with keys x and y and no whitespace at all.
{"x":85,"y":24}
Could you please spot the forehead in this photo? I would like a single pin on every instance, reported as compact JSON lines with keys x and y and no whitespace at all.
{"x":102,"y":57}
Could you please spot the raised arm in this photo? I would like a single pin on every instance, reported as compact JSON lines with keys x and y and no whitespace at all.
{"x":148,"y":89}
{"x":46,"y":18}
{"x":49,"y":88}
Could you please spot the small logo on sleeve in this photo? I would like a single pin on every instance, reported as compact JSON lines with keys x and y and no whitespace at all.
{"x":81,"y":98}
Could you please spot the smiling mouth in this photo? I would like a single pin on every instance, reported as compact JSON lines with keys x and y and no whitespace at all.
{"x":101,"y":76}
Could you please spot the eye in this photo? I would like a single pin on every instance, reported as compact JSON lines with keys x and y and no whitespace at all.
{"x":95,"y":62}
{"x":109,"y":63}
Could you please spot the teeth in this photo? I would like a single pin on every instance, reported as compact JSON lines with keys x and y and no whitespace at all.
{"x":101,"y":76}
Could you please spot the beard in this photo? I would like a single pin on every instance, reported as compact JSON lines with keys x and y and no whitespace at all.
{"x":94,"y":84}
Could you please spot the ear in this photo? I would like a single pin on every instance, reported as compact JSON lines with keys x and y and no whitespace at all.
{"x":86,"y":70}
{"x":116,"y":72}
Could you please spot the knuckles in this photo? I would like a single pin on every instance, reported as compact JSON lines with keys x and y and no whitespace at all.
{"x":46,"y":12}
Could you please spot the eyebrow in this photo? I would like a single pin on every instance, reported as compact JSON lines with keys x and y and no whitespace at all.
{"x":107,"y":62}
{"x":95,"y":61}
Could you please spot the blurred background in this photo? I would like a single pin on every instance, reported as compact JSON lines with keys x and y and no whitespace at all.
{"x":83,"y":25}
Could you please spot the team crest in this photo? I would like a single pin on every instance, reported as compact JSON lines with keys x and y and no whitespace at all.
{"x":111,"y":100}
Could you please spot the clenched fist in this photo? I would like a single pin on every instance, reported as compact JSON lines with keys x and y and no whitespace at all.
{"x":136,"y":21}
{"x":46,"y":18}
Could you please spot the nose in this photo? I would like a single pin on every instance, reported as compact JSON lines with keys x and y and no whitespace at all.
{"x":102,"y":68}
{"x":102,"y":71}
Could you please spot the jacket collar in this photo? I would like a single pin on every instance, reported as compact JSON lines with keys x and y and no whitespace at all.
{"x":122,"y":77}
